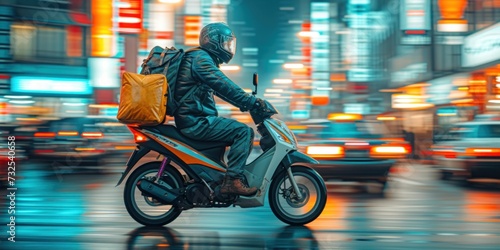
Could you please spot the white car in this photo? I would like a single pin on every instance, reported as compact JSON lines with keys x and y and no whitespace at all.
{"x":470,"y":150}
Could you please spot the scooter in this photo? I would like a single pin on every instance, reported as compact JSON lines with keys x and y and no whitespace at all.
{"x":191,"y":173}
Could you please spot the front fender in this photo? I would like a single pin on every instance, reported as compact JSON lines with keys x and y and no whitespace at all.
{"x":295,"y":158}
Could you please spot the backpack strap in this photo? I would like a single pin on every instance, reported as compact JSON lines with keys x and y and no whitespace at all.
{"x":179,"y":53}
{"x":162,"y":55}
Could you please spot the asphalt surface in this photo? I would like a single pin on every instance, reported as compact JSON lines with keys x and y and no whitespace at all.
{"x":77,"y":208}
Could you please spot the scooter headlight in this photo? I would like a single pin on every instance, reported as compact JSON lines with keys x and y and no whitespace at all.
{"x":285,"y":134}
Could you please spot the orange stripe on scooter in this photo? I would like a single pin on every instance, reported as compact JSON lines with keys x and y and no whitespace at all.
{"x":188,"y":159}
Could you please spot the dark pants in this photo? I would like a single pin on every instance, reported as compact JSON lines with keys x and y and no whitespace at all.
{"x":236,"y":134}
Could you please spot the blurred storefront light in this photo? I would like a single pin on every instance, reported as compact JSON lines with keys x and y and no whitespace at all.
{"x":103,"y":106}
{"x":272,"y":95}
{"x":17,"y":96}
{"x":230,"y":67}
{"x":169,"y":1}
{"x":320,"y":100}
{"x":104,"y":72}
{"x":192,"y":27}
{"x":415,"y":22}
{"x":293,"y":65}
{"x":160,"y":24}
{"x":462,"y":101}
{"x":76,"y":104}
{"x":452,"y":12}
{"x":123,"y":5}
{"x":48,"y":85}
{"x":405,"y":101}
{"x":320,"y":54}
{"x":481,"y":47}
{"x":308,"y":34}
{"x":274,"y":90}
{"x":344,"y":116}
{"x":102,"y":35}
{"x":282,"y":81}
{"x":130,"y":16}
{"x":386,"y":118}
{"x":21,"y":101}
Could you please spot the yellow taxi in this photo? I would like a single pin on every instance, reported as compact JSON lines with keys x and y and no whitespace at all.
{"x":351,"y":148}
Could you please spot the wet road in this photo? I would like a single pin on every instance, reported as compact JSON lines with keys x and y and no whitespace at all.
{"x":84,"y":210}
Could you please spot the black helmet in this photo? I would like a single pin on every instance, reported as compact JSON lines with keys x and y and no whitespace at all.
{"x":219,"y":40}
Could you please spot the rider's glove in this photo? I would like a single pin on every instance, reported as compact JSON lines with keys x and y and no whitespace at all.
{"x":255,"y":107}
{"x":260,"y":106}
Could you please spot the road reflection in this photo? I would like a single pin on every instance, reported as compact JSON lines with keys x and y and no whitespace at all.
{"x":156,"y":237}
{"x":482,"y":206}
{"x":289,"y":237}
{"x":86,"y":211}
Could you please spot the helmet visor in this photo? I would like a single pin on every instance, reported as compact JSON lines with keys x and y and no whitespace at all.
{"x":229,"y":44}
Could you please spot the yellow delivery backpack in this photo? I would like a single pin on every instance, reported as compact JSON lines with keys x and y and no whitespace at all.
{"x":143,"y":99}
{"x":146,"y":98}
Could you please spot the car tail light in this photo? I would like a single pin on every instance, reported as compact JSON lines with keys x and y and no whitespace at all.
{"x":445,"y":151}
{"x":449,"y":154}
{"x":389,"y":151}
{"x":93,"y":135}
{"x":325,"y":151}
{"x":138,"y":136}
{"x":67,"y":133}
{"x":45,"y":134}
{"x":482,"y":152}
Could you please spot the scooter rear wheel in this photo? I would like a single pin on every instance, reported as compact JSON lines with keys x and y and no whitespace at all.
{"x":146,"y":210}
{"x":284,"y":202}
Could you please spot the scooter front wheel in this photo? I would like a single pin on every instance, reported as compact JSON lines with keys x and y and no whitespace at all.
{"x":147,"y":210}
{"x":288,"y":206}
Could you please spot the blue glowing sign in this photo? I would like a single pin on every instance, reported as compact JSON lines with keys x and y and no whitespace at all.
{"x":50,"y":85}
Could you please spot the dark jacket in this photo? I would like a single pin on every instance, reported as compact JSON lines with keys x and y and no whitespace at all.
{"x":200,"y":70}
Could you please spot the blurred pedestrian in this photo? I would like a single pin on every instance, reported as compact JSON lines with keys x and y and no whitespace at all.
{"x":410,"y":138}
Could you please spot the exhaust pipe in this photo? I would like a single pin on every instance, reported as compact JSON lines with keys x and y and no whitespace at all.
{"x":161,"y":193}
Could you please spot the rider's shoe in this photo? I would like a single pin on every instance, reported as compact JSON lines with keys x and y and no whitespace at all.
{"x":236,"y":186}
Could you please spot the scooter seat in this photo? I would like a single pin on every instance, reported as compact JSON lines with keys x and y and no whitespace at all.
{"x":172,"y":132}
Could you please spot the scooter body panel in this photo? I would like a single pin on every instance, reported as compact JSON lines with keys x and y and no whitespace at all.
{"x":259,"y":173}
{"x":189,"y":155}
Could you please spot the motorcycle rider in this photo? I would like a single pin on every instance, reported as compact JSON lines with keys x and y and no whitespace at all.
{"x":197,"y":117}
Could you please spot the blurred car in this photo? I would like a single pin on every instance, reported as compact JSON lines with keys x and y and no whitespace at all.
{"x":350,"y":148}
{"x":78,"y":140}
{"x":469,"y":150}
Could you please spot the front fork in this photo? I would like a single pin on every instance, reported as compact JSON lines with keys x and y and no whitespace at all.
{"x":294,"y":183}
{"x":296,"y":157}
